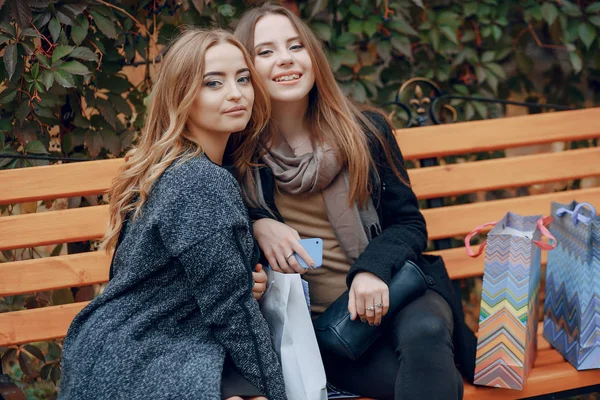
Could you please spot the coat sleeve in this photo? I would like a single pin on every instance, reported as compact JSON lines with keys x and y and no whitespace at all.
{"x":206,"y":229}
{"x":404,"y":234}
{"x":258,"y":213}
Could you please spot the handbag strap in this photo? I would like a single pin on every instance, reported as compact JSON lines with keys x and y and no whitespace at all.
{"x":474,"y":232}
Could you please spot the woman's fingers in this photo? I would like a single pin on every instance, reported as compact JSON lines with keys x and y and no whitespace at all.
{"x":385,"y":300}
{"x":290,"y":258}
{"x":277,"y":241}
{"x":258,"y":290}
{"x":378,"y":311}
{"x":370,"y":310}
{"x":286,"y":256}
{"x":360,"y":306}
{"x":272,"y":259}
{"x":283,"y":264}
{"x":301,"y":251}
{"x":369,"y":307}
{"x":352,"y":305}
{"x":259,"y":274}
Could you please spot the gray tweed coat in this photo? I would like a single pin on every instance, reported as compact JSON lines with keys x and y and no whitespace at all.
{"x":179,"y":301}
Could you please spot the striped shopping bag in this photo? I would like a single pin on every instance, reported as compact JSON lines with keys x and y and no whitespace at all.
{"x":572,"y":304}
{"x":508,"y":318}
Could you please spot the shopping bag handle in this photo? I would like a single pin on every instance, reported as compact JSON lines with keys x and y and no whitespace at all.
{"x":475,"y":231}
{"x":542,"y":223}
{"x":576,"y":215}
{"x":542,"y":226}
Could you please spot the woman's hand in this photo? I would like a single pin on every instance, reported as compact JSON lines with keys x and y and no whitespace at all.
{"x":260,"y":282}
{"x":369,"y":298}
{"x":279,"y":242}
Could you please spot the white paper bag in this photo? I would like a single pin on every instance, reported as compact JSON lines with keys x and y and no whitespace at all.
{"x":284,"y":308}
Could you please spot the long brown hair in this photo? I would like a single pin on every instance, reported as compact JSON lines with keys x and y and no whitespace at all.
{"x":164,"y":138}
{"x":333,"y":118}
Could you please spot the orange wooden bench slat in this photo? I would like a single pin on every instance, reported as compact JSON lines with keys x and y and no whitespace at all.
{"x":54,"y":181}
{"x":37,"y":324}
{"x":461,"y":266}
{"x":510,"y":172}
{"x":543,"y":344}
{"x":543,"y":379}
{"x":76,"y":270}
{"x":20,"y":231}
{"x":53,"y":273}
{"x":459,"y":220}
{"x":53,"y":322}
{"x":496,"y":134}
{"x":548,"y":357}
{"x":64,"y":226}
{"x":93,"y":177}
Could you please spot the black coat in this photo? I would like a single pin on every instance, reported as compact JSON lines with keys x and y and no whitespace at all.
{"x":404,"y":236}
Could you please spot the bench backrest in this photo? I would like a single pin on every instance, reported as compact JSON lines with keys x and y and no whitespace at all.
{"x":94,"y":177}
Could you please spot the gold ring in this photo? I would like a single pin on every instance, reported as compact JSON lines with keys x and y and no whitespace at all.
{"x":291,"y":254}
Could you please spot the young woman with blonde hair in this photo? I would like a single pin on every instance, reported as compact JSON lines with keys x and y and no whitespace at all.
{"x":180,"y":301}
{"x":332,"y":171}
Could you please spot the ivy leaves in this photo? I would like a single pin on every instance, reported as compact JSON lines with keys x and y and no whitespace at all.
{"x":374,"y":49}
{"x":64,"y":71}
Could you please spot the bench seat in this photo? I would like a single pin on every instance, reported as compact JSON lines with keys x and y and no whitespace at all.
{"x":551,"y":372}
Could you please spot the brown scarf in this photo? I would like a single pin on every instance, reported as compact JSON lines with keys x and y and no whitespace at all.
{"x":321,"y":171}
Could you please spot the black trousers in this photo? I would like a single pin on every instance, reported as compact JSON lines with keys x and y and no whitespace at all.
{"x":413,"y":359}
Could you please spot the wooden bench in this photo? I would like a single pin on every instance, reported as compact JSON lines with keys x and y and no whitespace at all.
{"x":551,"y":372}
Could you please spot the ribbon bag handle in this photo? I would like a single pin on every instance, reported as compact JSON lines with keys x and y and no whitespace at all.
{"x":576,"y":215}
{"x":542,"y":226}
{"x":475,"y":231}
{"x":542,"y":223}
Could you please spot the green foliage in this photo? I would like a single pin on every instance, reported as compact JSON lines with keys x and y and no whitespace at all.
{"x":64,"y":87}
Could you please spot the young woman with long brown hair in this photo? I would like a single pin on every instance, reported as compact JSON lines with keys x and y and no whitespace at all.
{"x":332,"y":171}
{"x":179,"y":305}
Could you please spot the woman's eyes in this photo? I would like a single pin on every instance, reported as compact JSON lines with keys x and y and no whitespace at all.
{"x":213,"y":84}
{"x":266,"y":52}
{"x":216,"y":84}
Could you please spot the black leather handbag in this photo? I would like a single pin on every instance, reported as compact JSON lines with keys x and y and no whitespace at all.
{"x":337,"y":333}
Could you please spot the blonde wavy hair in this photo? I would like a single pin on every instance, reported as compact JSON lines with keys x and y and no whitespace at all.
{"x":333,"y":118}
{"x":165,"y":139}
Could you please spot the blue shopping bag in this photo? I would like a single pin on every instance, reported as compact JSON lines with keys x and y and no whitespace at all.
{"x":572,"y":304}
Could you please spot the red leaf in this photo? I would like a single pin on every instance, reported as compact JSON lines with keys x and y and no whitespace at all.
{"x":198,"y":5}
{"x":93,"y":142}
{"x":21,"y":13}
{"x":85,"y":293}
